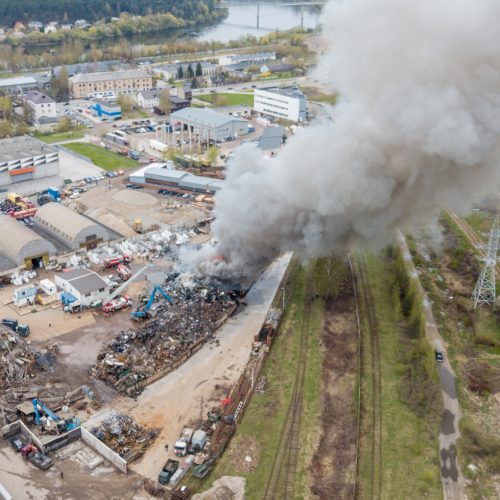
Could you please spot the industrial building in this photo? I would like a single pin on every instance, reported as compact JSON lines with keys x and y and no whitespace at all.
{"x":70,"y":228}
{"x":106,"y":110}
{"x":18,"y":84}
{"x":82,"y":285}
{"x":271,"y":139}
{"x":109,"y":82}
{"x":157,"y":174}
{"x":288,"y":103}
{"x":22,"y":246}
{"x":209,"y":125}
{"x":25,"y":158}
{"x":254,"y":58}
{"x":172,"y":70}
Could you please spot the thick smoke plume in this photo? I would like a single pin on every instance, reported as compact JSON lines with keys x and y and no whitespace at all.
{"x":417,"y":129}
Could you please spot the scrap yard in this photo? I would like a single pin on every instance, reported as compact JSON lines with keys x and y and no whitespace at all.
{"x":109,"y":348}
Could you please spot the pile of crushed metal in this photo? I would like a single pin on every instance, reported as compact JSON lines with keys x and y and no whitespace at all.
{"x":136,"y":358}
{"x":124,"y":436}
{"x":20,"y":363}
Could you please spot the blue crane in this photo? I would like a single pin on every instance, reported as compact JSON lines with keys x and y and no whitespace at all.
{"x":143,"y":313}
{"x":64,"y":425}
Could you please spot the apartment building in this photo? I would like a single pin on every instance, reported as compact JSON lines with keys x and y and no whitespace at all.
{"x":288,"y":103}
{"x":128,"y":81}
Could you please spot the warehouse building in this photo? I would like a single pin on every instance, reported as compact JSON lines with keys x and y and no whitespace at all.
{"x":106,"y":110}
{"x":282,"y":102}
{"x":70,"y":228}
{"x":157,"y":174}
{"x":254,"y":58}
{"x":82,"y":285}
{"x":18,"y":84}
{"x":22,"y":246}
{"x":207,"y":124}
{"x":25,"y":158}
{"x":172,"y":70}
{"x":109,"y":83}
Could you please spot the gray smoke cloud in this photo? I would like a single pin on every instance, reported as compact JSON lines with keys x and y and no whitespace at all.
{"x":417,"y":129}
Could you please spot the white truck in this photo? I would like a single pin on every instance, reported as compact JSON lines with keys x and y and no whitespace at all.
{"x":157,"y":145}
{"x":182,"y":444}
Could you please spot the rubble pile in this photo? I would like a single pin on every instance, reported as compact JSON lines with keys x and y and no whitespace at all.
{"x":169,"y":337}
{"x":124,"y":436}
{"x":20,"y":364}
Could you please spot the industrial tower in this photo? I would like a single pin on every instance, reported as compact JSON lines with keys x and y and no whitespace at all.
{"x":485,"y":290}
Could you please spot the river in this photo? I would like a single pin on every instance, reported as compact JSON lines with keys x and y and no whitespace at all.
{"x":240,"y":21}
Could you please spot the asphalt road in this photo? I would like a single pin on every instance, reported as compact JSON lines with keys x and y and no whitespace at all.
{"x":451,"y":478}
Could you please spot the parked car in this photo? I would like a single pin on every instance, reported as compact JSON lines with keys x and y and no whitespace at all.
{"x":17,"y":444}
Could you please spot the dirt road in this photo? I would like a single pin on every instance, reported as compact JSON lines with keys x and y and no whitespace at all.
{"x":183,"y":396}
{"x":451,"y":478}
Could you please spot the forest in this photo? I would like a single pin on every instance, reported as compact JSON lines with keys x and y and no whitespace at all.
{"x":68,"y":11}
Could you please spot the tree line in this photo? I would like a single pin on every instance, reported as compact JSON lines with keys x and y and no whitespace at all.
{"x":93,"y":10}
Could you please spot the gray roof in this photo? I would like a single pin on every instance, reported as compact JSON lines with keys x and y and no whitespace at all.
{"x":150,"y":94}
{"x":288,"y":91}
{"x":204,"y":116}
{"x":279,"y":67}
{"x":38,"y":98}
{"x":15,"y":236}
{"x":174,"y":67}
{"x":44,"y":120}
{"x":271,"y":138}
{"x":109,"y":75}
{"x":17,"y":80}
{"x":24,"y":146}
{"x":84,"y":280}
{"x":68,"y":221}
{"x":92,"y":67}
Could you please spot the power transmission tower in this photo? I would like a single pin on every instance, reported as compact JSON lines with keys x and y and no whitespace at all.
{"x":485,"y":290}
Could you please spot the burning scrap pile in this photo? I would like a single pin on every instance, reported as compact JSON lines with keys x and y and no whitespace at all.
{"x":165,"y":341}
{"x":124,"y":436}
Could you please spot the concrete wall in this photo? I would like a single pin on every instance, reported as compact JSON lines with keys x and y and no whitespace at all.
{"x":18,"y":427}
{"x":62,"y":440}
{"x":103,"y":450}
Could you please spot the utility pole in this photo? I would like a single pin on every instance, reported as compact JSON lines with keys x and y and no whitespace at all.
{"x":485,"y":290}
{"x":258,"y":15}
{"x":302,"y":16}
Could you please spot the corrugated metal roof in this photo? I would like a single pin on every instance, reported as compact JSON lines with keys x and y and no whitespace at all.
{"x":204,"y":116}
{"x":18,"y":80}
{"x":14,"y":236}
{"x":109,"y":75}
{"x":66,"y":220}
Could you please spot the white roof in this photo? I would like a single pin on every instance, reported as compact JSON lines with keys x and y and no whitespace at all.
{"x":204,"y":116}
{"x":17,"y":80}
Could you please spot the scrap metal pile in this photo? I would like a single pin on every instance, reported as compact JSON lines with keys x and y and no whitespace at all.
{"x":124,"y":436}
{"x":135,"y":357}
{"x":20,"y":364}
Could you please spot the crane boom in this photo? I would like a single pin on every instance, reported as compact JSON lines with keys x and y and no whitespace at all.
{"x":120,"y":289}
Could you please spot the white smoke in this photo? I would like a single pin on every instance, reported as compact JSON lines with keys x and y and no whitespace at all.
{"x":417,"y":129}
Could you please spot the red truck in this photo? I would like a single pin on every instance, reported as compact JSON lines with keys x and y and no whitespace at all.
{"x":115,"y":261}
{"x":124,"y":272}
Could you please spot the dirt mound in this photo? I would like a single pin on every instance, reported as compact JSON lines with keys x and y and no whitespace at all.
{"x":132,"y":197}
{"x":225,"y":488}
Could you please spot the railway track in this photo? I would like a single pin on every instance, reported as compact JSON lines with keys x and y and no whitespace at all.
{"x":370,"y":358}
{"x":281,"y":482}
{"x":470,"y":234}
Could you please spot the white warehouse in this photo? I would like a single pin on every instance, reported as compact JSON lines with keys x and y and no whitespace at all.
{"x":84,"y":285}
{"x":288,"y":103}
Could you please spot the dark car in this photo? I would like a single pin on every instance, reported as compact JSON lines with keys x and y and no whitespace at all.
{"x":439,"y":357}
{"x":130,"y":186}
{"x":10,"y":323}
{"x":16,"y":443}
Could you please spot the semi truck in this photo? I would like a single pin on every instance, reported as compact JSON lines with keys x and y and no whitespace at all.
{"x":169,"y":469}
{"x":157,"y":145}
{"x":115,"y":261}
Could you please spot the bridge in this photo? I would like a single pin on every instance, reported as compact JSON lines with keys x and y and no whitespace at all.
{"x":290,"y":3}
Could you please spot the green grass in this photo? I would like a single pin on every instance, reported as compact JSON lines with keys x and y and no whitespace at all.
{"x":62,"y":136}
{"x":327,"y":98}
{"x":108,"y":160}
{"x":265,"y":416}
{"x":480,"y":221}
{"x":410,"y":462}
{"x":231,"y":99}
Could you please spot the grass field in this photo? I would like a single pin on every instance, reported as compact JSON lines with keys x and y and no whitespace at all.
{"x":410,"y":462}
{"x":108,"y":160}
{"x":62,"y":136}
{"x":229,"y":98}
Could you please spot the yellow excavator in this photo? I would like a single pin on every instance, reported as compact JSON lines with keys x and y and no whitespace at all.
{"x":138,"y":226}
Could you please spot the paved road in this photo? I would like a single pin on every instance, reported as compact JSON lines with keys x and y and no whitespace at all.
{"x":451,"y":478}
